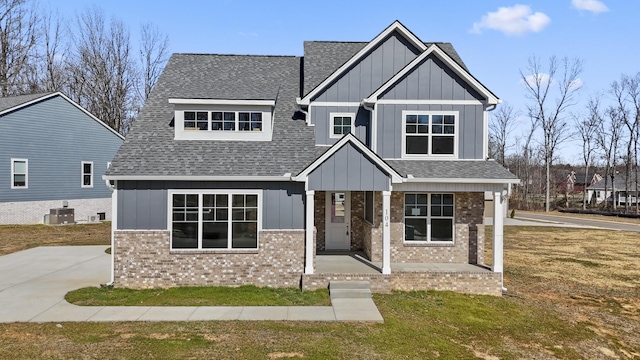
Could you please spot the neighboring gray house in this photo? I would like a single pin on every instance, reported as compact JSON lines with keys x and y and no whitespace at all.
{"x":52,"y":150}
{"x":597,"y":192}
{"x":254,"y":169}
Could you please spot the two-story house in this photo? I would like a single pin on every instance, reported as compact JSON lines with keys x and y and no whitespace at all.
{"x":53,"y":153}
{"x":256,"y":169}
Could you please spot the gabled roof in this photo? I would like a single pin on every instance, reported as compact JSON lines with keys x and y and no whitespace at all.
{"x":151,"y":151}
{"x":436,"y":51}
{"x":349,"y":139}
{"x":13,"y":103}
{"x":619,"y":182}
{"x":395,"y":27}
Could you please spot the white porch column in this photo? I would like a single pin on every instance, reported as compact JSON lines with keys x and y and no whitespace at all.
{"x":498,"y":234}
{"x":310,"y":224}
{"x":386,"y":232}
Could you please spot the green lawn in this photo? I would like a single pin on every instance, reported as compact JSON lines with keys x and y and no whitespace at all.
{"x":198,"y":296}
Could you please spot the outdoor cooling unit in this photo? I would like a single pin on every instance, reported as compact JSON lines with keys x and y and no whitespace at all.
{"x":61,"y":216}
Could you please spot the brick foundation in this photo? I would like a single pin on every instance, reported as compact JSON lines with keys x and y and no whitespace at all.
{"x":32,"y":212}
{"x":143,"y":259}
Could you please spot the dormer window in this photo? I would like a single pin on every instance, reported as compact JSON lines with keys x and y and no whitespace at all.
{"x":209,"y":119}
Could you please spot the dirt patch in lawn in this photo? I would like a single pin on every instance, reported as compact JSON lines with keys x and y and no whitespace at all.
{"x":20,"y":237}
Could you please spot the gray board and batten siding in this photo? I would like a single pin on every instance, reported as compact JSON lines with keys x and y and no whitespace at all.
{"x":470,"y":125}
{"x":320,"y":117}
{"x":348,"y":169}
{"x":143,"y":205}
{"x":368,"y":74}
{"x":55,"y":136}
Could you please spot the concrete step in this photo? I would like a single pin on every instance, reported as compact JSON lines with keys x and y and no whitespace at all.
{"x":349,"y":285}
{"x":350,"y":289}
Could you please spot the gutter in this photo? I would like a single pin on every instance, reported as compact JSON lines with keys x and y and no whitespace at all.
{"x":285,"y":177}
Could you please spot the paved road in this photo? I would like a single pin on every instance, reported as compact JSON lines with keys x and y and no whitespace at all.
{"x":33,"y":284}
{"x":559,"y":219}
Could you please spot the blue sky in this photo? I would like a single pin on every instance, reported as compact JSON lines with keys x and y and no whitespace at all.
{"x":494,"y":38}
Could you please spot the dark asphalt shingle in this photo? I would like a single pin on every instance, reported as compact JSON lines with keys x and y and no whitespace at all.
{"x":13,"y":101}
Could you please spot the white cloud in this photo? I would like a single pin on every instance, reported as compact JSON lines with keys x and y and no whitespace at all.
{"x":541,"y":78}
{"x":595,"y":6}
{"x":576,"y":84}
{"x":514,"y":20}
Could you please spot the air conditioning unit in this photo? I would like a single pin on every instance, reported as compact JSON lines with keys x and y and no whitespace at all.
{"x":92,"y":218}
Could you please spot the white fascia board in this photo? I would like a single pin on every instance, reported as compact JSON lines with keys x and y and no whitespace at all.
{"x":396,"y":26}
{"x":222,"y":102}
{"x":411,"y":179}
{"x":435,"y":49}
{"x":285,"y":177}
{"x":395,"y":177}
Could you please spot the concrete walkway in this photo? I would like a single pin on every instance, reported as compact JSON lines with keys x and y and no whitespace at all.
{"x":33,"y":284}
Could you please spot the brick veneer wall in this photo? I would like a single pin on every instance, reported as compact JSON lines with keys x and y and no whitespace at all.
{"x":357,"y":220}
{"x":32,"y":212}
{"x":143,"y":259}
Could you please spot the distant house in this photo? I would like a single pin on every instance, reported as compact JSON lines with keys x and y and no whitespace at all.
{"x":573,"y":182}
{"x":52,"y":152}
{"x":599,"y":194}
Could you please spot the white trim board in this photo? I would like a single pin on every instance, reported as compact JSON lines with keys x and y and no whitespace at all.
{"x":285,"y":177}
{"x":221,"y":102}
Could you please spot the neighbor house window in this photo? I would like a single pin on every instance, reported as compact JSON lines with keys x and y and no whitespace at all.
{"x":340,"y":124}
{"x":428,"y":133}
{"x":19,"y":173}
{"x":87,"y":174}
{"x":428,"y":218}
{"x":223,"y":120}
{"x":215,"y":220}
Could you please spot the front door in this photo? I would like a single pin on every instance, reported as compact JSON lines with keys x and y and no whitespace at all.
{"x":338,"y":221}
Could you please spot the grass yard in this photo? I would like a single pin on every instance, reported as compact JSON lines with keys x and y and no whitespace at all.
{"x":20,"y":237}
{"x":575,"y":294}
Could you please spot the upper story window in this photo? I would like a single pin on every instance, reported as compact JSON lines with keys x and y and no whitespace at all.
{"x":87,"y":174}
{"x":341,"y":124}
{"x":428,"y":134}
{"x":209,"y":119}
{"x":19,"y":173}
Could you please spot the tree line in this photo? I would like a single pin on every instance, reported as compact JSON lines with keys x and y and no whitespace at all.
{"x":608,"y":128}
{"x":89,"y":58}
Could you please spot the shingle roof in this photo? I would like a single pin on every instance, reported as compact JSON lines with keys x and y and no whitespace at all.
{"x":13,"y":101}
{"x":322,"y":58}
{"x":150,"y":149}
{"x":439,"y":169}
{"x":619,"y":182}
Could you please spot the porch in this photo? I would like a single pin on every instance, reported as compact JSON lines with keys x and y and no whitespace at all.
{"x":354,"y":266}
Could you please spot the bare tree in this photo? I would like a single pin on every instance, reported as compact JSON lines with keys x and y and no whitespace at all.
{"x":632,"y":122}
{"x":18,"y":37}
{"x":52,"y":68}
{"x":153,"y":56}
{"x":103,"y":73}
{"x":500,"y":128}
{"x":608,"y":138}
{"x":555,"y":129}
{"x":587,"y":129}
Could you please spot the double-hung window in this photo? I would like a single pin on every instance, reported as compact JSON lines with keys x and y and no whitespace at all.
{"x":428,"y":218}
{"x":429,"y":134}
{"x":340,"y":124}
{"x":19,"y":173}
{"x":86,"y":167}
{"x":215,"y":220}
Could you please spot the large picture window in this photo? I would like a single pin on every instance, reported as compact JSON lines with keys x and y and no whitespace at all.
{"x":19,"y":173}
{"x":428,"y":218}
{"x":428,"y":133}
{"x":215,"y":220}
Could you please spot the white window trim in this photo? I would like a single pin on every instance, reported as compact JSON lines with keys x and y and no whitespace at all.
{"x":263,"y":135}
{"x":428,"y":218}
{"x":26,"y":175}
{"x":340,"y":114}
{"x":171,"y":192}
{"x":82,"y":185}
{"x":430,"y":135}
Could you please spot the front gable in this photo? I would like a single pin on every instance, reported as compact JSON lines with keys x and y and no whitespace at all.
{"x":370,"y":71}
{"x":431,"y":79}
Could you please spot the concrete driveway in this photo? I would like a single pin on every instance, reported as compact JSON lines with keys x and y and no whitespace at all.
{"x":33,"y":282}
